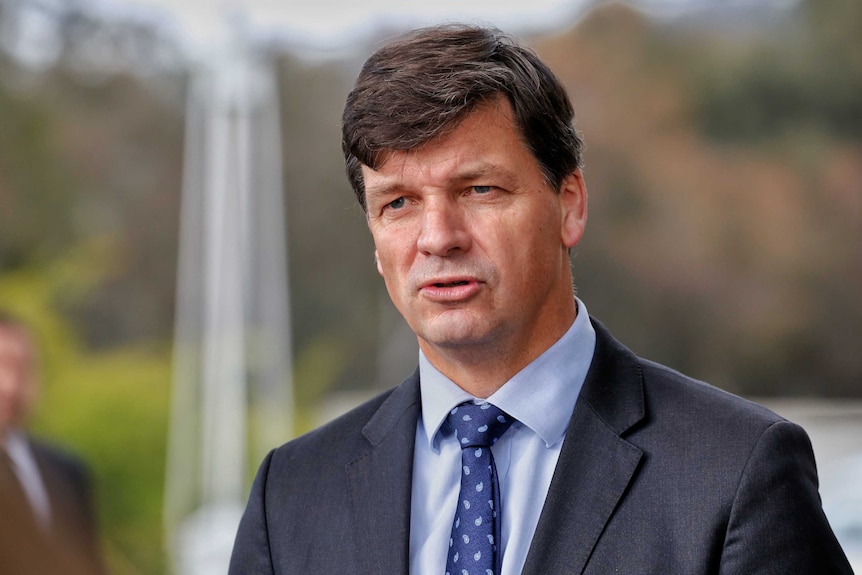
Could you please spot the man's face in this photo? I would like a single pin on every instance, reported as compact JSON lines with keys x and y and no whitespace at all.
{"x":472,"y":240}
{"x":17,"y":378}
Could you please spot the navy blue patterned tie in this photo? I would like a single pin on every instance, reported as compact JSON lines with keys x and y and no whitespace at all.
{"x":476,"y":529}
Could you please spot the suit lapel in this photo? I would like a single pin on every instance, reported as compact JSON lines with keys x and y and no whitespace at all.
{"x":380,"y":483}
{"x":57,"y":482}
{"x":51,"y":474}
{"x":596,"y":464}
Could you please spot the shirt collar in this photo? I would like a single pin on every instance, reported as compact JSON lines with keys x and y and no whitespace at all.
{"x":545,"y":407}
{"x":16,"y":445}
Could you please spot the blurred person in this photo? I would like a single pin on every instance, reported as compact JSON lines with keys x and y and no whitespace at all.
{"x":460,"y":148}
{"x":47,"y":522}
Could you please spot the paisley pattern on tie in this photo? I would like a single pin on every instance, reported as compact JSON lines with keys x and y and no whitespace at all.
{"x":475,"y":530}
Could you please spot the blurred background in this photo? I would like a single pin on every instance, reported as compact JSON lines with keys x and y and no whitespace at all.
{"x":723,"y":160}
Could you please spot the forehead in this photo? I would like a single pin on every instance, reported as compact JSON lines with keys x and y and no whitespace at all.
{"x":486,"y":141}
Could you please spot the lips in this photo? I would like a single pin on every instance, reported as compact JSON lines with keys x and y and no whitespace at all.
{"x":448,"y":282}
{"x":450,"y":290}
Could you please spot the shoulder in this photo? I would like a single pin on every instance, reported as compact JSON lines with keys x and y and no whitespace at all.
{"x":698,"y":402}
{"x":353,"y":434}
{"x":712,"y":465}
{"x":693,"y":429}
{"x":651,"y":393}
{"x":55,"y":458}
{"x":671,"y":415}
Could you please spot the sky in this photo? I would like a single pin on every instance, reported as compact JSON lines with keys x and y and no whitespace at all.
{"x":336,"y":24}
{"x":203,"y":27}
{"x":327,"y":24}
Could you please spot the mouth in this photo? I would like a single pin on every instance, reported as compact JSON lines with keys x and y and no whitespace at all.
{"x":450,"y":290}
{"x":450,"y":284}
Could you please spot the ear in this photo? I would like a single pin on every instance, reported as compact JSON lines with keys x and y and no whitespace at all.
{"x":377,"y":263}
{"x":573,"y":201}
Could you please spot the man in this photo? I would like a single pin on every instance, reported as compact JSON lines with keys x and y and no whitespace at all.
{"x":460,"y":148}
{"x":46,"y":514}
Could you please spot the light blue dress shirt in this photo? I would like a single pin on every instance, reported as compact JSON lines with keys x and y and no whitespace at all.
{"x":541,"y":397}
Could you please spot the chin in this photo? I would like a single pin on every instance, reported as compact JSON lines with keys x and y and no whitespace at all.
{"x":459,"y":338}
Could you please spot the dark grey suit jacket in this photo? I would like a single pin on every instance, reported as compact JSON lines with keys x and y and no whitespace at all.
{"x":69,"y":546}
{"x":658,"y":474}
{"x":67,"y":482}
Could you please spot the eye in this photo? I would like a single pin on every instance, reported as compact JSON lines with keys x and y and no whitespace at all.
{"x":397,"y":203}
{"x":482,"y":189}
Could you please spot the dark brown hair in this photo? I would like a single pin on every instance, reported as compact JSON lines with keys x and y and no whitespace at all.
{"x":423,"y":84}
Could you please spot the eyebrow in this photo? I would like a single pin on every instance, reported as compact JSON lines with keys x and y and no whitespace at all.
{"x":382,"y":189}
{"x":472,"y":172}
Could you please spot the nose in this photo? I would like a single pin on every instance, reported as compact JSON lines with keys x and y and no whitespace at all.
{"x":444,"y":232}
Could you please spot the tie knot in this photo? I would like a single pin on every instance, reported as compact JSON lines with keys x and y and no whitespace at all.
{"x":478,"y":425}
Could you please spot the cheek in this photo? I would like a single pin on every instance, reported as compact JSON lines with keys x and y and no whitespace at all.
{"x":391,"y":268}
{"x":532,"y":259}
{"x":394,"y":247}
{"x":385,"y":262}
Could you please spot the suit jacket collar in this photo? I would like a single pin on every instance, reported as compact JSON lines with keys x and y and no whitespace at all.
{"x":380,"y":482}
{"x":596,"y":464}
{"x":614,"y":386}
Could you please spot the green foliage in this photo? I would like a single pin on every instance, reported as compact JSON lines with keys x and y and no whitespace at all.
{"x":806,"y":75}
{"x":109,"y":408}
{"x":34,"y":201}
{"x":114,"y":407}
